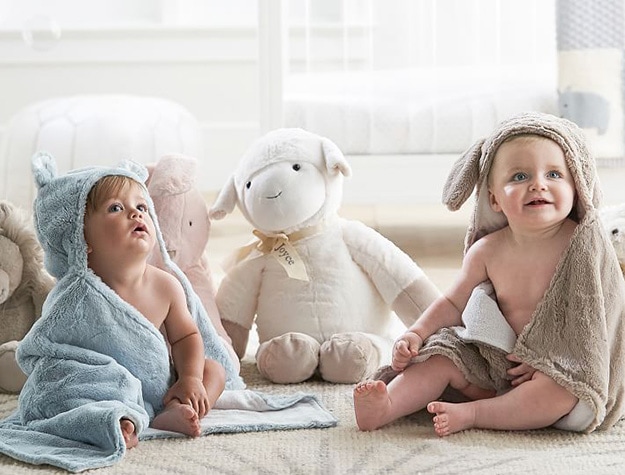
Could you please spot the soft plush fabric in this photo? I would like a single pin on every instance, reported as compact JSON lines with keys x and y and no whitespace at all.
{"x":320,"y":289}
{"x":576,"y":333}
{"x":24,"y":285}
{"x":91,"y":358}
{"x":254,"y":411}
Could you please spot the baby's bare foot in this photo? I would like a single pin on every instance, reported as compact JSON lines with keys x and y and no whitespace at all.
{"x":128,"y":432}
{"x":451,"y":418}
{"x":178,"y":418}
{"x":371,"y":404}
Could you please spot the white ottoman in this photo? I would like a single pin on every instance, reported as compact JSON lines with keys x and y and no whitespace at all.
{"x":92,"y":130}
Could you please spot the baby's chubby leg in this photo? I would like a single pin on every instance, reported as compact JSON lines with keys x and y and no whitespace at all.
{"x":183,"y":418}
{"x":534,"y":404}
{"x":214,"y":379}
{"x":376,"y":404}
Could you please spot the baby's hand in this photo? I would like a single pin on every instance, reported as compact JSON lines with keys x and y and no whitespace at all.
{"x":189,"y":390}
{"x":405,"y":348}
{"x":521,"y":373}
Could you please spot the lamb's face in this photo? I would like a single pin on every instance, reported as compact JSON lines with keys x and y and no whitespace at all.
{"x":283,"y":195}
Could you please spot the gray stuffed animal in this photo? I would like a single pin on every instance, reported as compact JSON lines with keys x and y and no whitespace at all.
{"x":24,"y":285}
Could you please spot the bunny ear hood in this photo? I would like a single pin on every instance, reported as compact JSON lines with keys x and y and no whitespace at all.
{"x":59,"y":208}
{"x":470,"y":172}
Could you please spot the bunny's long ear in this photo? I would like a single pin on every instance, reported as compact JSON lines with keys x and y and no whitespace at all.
{"x":334,"y":158}
{"x":463,"y":177}
{"x":44,"y":169}
{"x":225,"y":202}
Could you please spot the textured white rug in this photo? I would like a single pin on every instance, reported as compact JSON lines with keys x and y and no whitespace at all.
{"x":407,"y":446}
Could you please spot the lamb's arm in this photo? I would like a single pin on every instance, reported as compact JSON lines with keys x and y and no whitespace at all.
{"x":401,"y":282}
{"x":237,"y":299}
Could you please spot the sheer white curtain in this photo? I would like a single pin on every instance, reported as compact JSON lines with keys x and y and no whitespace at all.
{"x":331,"y":35}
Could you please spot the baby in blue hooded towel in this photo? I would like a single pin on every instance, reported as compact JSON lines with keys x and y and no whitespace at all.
{"x":100,"y":369}
{"x":120,"y":236}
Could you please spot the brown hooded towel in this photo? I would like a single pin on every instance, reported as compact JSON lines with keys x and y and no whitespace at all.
{"x":577,"y":333}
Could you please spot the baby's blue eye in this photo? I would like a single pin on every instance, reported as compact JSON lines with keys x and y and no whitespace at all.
{"x":519,"y":177}
{"x":554,"y":174}
{"x":143,"y":208}
{"x":115,"y":208}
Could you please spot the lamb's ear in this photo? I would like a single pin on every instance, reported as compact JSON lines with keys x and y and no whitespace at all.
{"x":463,"y":177}
{"x":44,"y":169}
{"x":225,"y":202}
{"x":334,"y":158}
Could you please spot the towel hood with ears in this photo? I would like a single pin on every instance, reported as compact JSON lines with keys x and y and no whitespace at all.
{"x":60,"y":208}
{"x":470,"y":172}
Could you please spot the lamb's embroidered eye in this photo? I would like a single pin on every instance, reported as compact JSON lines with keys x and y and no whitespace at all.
{"x":614,"y":232}
{"x":297,"y":167}
{"x":190,"y":223}
{"x":248,"y":184}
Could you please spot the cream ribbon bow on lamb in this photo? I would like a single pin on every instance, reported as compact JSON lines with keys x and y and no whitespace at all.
{"x":338,"y":321}
{"x":280,"y":246}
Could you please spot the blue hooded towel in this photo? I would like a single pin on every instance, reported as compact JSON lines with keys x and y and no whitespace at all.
{"x":92,"y":359}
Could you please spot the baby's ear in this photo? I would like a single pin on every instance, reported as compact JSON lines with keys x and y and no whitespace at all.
{"x":492,"y":201}
{"x":463,"y":177}
{"x":44,"y":169}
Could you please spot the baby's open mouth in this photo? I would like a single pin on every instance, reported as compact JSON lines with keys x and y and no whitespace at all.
{"x":141,"y":228}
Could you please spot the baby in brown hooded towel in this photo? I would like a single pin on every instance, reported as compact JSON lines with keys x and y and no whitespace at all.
{"x":526,"y":340}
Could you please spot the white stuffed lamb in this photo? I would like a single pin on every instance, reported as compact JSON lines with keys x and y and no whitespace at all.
{"x":320,"y":288}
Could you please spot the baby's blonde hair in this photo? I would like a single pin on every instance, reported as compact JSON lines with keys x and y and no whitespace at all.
{"x":106,"y":187}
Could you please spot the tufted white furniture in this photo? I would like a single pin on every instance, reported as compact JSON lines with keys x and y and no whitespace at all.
{"x":92,"y":130}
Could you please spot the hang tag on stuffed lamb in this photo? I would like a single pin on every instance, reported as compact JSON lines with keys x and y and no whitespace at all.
{"x":279,"y":247}
{"x":287,"y":257}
